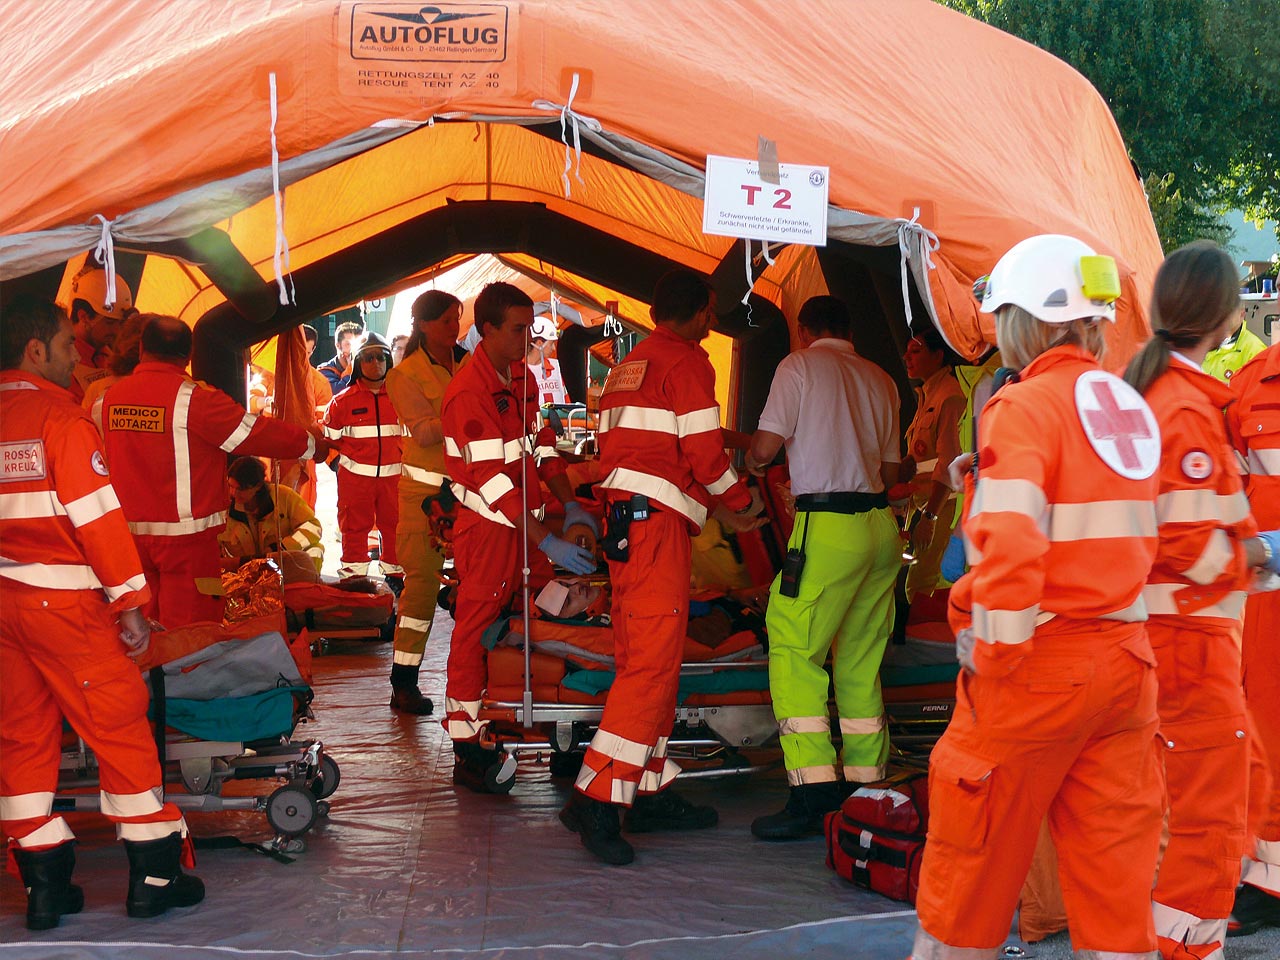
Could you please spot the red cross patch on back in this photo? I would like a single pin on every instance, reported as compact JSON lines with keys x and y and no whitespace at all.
{"x":1120,"y":426}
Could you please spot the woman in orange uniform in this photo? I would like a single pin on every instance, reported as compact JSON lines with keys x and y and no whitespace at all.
{"x":1056,"y":707}
{"x":1195,"y":595}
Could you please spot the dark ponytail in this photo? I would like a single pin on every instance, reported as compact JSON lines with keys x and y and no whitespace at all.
{"x":1195,"y":291}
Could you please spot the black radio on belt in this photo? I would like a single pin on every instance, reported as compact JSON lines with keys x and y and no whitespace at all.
{"x":616,"y":543}
{"x":793,"y":566}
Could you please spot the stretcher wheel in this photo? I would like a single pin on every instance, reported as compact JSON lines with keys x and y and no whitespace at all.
{"x":500,"y":777}
{"x":327,"y":778}
{"x":291,"y":810}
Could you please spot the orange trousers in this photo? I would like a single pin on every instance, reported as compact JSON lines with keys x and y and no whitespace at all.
{"x":650,"y":617}
{"x":61,"y":656}
{"x":172,"y":566}
{"x":1261,"y":657}
{"x":487,"y":559}
{"x":1204,"y":731}
{"x":1070,"y":733}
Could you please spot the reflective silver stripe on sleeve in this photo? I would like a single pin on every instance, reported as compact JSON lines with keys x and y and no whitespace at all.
{"x":478,"y":451}
{"x":1101,"y":520}
{"x":333,"y":433}
{"x":1213,"y":560}
{"x":1161,"y":600}
{"x":1004,"y":626}
{"x":93,"y":506}
{"x":132,"y":585}
{"x":1265,"y":461}
{"x":474,"y":502}
{"x":451,"y":447}
{"x":496,"y":487}
{"x":420,"y":475}
{"x":176,"y":528}
{"x":698,"y":421}
{"x":1011,"y":496}
{"x":1198,"y":506}
{"x":654,"y":419}
{"x":725,"y":481}
{"x":239,"y":434}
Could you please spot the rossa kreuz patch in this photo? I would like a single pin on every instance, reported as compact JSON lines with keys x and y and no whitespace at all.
{"x":626,"y":376}
{"x":1197,"y":465}
{"x":22,"y":460}
{"x":1118,"y":423}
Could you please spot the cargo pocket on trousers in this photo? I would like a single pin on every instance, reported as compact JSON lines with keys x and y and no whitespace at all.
{"x":959,"y":796}
{"x":113,"y":693}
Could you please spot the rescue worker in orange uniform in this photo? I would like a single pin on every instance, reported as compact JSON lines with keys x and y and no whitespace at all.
{"x":1194,"y":596}
{"x":1254,"y":422}
{"x":664,"y":465}
{"x":96,"y":319}
{"x":362,"y":425}
{"x":73,"y":597}
{"x":416,"y":386}
{"x":1056,"y":706}
{"x":167,"y":437}
{"x":494,"y":456}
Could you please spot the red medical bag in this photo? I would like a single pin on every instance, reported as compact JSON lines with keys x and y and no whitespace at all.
{"x":876,"y":838}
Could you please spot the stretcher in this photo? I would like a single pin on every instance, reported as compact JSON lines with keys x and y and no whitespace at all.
{"x":226,"y":702}
{"x":359,"y":610}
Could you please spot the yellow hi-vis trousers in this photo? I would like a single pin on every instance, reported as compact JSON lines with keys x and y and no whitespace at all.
{"x":422,"y":564}
{"x":845,"y":604}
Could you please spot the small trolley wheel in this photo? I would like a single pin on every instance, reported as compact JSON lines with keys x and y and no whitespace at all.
{"x":291,"y":810}
{"x":500,"y":777}
{"x":327,"y":778}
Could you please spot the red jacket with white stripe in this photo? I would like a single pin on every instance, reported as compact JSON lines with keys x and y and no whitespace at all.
{"x":484,"y":435}
{"x":1055,"y":528}
{"x":1254,"y":420}
{"x":1200,"y":569}
{"x":660,"y":430}
{"x":366,"y":431}
{"x":167,"y":439}
{"x":61,"y":527}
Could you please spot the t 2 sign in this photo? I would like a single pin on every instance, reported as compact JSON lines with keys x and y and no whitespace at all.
{"x":739,"y":204}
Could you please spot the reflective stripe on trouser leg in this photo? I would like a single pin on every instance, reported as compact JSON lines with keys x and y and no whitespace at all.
{"x":1206,"y":746}
{"x":1262,"y":694}
{"x":84,"y":676}
{"x":845,"y":594}
{"x":992,"y":782}
{"x":422,"y":564}
{"x":1186,"y":937}
{"x":650,"y":614}
{"x":487,"y":558}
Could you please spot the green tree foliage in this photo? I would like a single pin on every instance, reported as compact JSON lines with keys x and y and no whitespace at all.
{"x":1195,"y":89}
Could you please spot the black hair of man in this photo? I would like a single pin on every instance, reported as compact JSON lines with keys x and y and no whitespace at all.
{"x":931,"y":337}
{"x":167,"y":339}
{"x":247,"y":472}
{"x":679,"y":296}
{"x":24,"y":319}
{"x":309,"y":334}
{"x":495,"y":300}
{"x":345,"y":327}
{"x":826,"y":317}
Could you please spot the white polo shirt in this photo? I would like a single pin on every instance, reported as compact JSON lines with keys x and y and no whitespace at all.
{"x":838,"y":413}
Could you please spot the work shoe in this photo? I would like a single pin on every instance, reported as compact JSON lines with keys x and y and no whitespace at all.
{"x":47,"y":876}
{"x":1253,"y":910}
{"x":596,"y":825}
{"x":667,"y":810}
{"x":156,"y":880}
{"x":395,"y":583}
{"x":411,"y":700}
{"x":802,"y":817}
{"x":478,"y":769}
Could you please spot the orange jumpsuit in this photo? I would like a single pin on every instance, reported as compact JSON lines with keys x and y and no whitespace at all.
{"x":659,"y":436}
{"x":489,"y":424}
{"x":1194,"y":595}
{"x":1254,"y":421}
{"x":363,"y":425}
{"x":69,"y":568}
{"x":167,"y":438}
{"x":1060,"y":717}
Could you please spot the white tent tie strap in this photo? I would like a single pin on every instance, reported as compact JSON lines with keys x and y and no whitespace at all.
{"x":281,"y":256}
{"x":909,"y":230}
{"x":105,"y":252}
{"x":570,"y":118}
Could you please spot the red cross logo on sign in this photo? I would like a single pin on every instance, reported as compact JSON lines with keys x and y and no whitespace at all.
{"x":1120,"y":426}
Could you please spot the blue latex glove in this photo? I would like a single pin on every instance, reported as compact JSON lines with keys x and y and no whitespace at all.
{"x":953,"y":563}
{"x":575,"y":513}
{"x":1272,"y":537}
{"x":568,"y":555}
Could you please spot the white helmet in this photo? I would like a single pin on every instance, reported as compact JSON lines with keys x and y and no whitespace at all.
{"x":543,"y":328}
{"x":90,"y":285}
{"x":1054,"y":278}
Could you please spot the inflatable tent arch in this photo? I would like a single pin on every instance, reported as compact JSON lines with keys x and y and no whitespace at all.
{"x":154,"y":123}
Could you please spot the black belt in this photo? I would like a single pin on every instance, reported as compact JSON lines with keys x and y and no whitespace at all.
{"x":841,"y":502}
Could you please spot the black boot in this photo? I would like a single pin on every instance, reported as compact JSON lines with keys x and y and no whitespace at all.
{"x":395,"y":583}
{"x":405,"y":695}
{"x":596,"y":825}
{"x":156,"y":880}
{"x":47,"y":876}
{"x":802,"y":816}
{"x":667,"y":810}
{"x":1253,"y":910}
{"x":478,"y":769}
